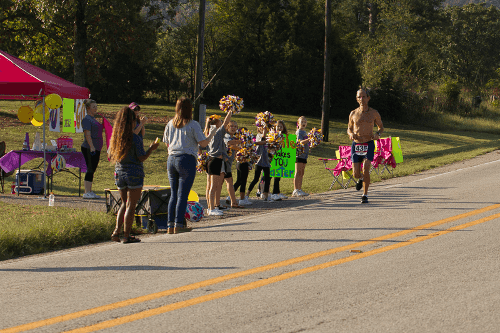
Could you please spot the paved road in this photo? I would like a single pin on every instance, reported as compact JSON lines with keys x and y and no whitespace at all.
{"x":422,"y":256}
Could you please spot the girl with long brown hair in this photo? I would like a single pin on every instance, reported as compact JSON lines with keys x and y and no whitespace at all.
{"x":182,"y":136}
{"x":127,"y":152}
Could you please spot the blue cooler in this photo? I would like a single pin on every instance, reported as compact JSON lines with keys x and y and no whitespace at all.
{"x":30,"y":182}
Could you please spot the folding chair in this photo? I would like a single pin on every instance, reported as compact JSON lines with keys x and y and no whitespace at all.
{"x":336,"y":176}
{"x":344,"y":153}
{"x":342,"y":170}
{"x":383,"y":159}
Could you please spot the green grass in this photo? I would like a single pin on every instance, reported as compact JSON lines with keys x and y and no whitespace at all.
{"x":34,"y":229}
{"x":423,"y":149}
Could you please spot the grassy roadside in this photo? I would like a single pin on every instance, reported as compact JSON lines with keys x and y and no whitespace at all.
{"x":42,"y":230}
{"x":30,"y":229}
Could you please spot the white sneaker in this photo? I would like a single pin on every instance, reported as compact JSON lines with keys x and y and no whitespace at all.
{"x":295,"y":193}
{"x":268,"y":199}
{"x":275,"y":197}
{"x":303,"y":194}
{"x":87,"y":195}
{"x":282,"y":196}
{"x":215,"y":212}
{"x":243,"y":202}
{"x":95,"y":196}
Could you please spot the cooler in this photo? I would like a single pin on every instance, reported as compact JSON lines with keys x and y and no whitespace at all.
{"x":30,"y":182}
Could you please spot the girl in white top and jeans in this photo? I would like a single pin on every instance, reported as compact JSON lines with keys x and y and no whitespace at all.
{"x":182,"y":136}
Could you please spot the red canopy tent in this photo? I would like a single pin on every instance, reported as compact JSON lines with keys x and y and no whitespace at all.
{"x":21,"y":80}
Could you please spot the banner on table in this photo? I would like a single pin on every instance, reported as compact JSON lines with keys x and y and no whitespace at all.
{"x":80,"y":113}
{"x":55,"y":120}
{"x":68,"y":115}
{"x":283,"y":162}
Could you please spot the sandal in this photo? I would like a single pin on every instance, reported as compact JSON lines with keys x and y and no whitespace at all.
{"x":131,"y":239}
{"x":237,"y":206}
{"x":115,"y":237}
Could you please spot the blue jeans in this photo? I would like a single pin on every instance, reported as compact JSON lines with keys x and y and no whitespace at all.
{"x":181,"y":172}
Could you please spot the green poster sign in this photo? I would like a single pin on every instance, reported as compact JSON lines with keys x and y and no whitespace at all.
{"x":283,"y":163}
{"x":68,"y":115}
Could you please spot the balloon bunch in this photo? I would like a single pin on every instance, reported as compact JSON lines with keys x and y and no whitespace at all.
{"x":275,"y":141}
{"x":265,"y":119}
{"x":315,"y":137}
{"x":202,"y":161}
{"x":231,"y":102}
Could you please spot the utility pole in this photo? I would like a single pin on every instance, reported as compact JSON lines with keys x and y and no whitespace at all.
{"x":199,"y":62}
{"x":325,"y":119}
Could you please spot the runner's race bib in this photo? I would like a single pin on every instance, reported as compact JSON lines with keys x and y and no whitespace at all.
{"x":361,"y":149}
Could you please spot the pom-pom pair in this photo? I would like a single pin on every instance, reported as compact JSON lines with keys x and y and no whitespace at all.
{"x":202,"y":161}
{"x":265,"y":119}
{"x":231,"y":103}
{"x":275,"y":141}
{"x":315,"y":137}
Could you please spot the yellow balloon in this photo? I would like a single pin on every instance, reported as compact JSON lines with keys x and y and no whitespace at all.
{"x":36,"y":123}
{"x":25,"y":114}
{"x":53,"y":101}
{"x":193,"y":196}
{"x":38,"y":115}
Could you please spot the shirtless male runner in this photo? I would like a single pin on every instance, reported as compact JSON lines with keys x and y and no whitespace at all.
{"x":360,"y":131}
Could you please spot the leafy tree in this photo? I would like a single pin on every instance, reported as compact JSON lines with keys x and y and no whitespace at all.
{"x":470,"y":48}
{"x":87,"y":41}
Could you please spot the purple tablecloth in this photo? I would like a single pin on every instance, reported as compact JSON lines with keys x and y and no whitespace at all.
{"x":10,"y":161}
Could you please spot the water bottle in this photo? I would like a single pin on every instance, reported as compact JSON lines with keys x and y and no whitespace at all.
{"x":51,"y":199}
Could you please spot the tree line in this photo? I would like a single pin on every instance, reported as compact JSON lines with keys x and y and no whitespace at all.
{"x":270,"y":52}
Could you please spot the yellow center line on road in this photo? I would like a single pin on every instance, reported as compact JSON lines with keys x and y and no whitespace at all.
{"x":268,"y":281}
{"x":260,"y":283}
{"x":193,"y":286}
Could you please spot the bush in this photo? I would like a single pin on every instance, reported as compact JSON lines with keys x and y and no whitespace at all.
{"x":450,"y":90}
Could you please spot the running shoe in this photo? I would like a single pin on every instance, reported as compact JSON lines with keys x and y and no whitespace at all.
{"x":303,"y":194}
{"x":268,"y":199}
{"x":91,"y":195}
{"x":364,"y":199}
{"x":295,"y":193}
{"x":282,"y":196}
{"x":244,"y":202}
{"x":215,"y":212}
{"x":359,"y":185}
{"x":275,"y":197}
{"x":258,"y":194}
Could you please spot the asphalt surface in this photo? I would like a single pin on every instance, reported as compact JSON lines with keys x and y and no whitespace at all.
{"x":422,"y":256}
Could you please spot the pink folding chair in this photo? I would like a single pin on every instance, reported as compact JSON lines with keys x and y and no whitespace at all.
{"x":341,"y":173}
{"x":383,"y":157}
